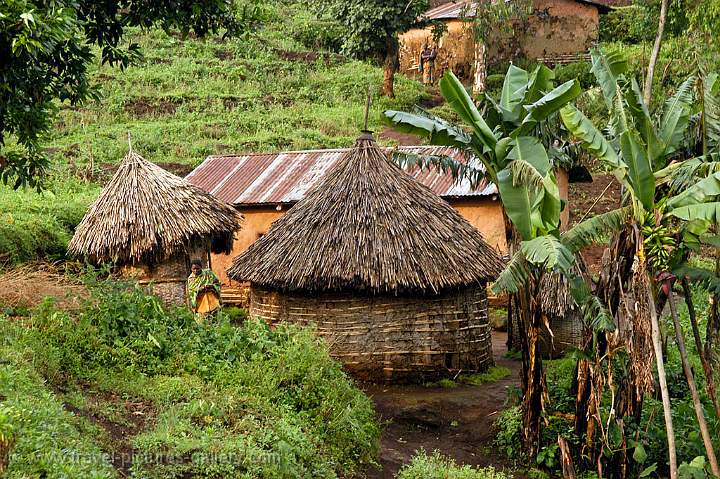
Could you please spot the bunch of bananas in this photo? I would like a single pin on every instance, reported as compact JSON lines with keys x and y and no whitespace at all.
{"x":658,"y":240}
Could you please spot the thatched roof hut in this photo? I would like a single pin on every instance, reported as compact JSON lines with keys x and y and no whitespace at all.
{"x":151,"y":220}
{"x":383,"y":266}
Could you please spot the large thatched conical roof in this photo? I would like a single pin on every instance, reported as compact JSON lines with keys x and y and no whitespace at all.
{"x":146,"y":214}
{"x":369,"y":227}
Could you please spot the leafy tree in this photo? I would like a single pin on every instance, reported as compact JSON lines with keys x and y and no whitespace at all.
{"x":372,"y":28}
{"x":46,"y":48}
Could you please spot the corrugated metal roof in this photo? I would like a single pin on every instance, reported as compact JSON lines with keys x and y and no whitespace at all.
{"x":460,"y":9}
{"x":280,"y":178}
{"x":451,"y":10}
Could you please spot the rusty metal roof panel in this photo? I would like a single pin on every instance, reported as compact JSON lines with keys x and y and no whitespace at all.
{"x":282,"y":178}
{"x":450,"y":10}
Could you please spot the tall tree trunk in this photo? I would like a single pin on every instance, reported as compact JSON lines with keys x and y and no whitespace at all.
{"x":657,"y":346}
{"x":533,"y":378}
{"x":480,"y":70}
{"x":693,"y":388}
{"x":392,"y":64}
{"x":647,"y":94}
{"x":707,"y":369}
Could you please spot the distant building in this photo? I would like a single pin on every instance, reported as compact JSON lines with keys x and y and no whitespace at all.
{"x":557,"y":31}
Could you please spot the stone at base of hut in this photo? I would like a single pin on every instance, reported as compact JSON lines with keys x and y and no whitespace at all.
{"x":391,"y":338}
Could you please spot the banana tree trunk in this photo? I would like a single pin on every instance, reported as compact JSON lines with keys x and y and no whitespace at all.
{"x":480,"y":70}
{"x":699,"y":413}
{"x":707,"y":369}
{"x":533,"y":378}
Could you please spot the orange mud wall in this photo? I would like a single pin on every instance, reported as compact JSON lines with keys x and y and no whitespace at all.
{"x":555,"y":28}
{"x":257,"y":222}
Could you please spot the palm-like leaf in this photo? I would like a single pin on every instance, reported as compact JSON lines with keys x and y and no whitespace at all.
{"x":514,"y":277}
{"x":458,"y":98}
{"x":513,"y":92}
{"x":596,"y":229}
{"x":549,"y":252}
{"x":593,"y":140}
{"x":682,"y":175}
{"x":699,"y":211}
{"x":438,"y":130}
{"x":705,"y":190}
{"x":654,"y":146}
{"x":709,"y":96}
{"x":547,"y":105}
{"x":607,"y":68}
{"x":471,"y":171}
{"x":676,"y":116}
{"x":520,"y":202}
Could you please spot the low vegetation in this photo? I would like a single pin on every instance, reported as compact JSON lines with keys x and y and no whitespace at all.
{"x":436,"y":466}
{"x":208,"y":399}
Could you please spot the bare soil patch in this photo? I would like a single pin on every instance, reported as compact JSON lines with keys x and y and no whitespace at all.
{"x":403,"y":139}
{"x":129,"y":419}
{"x":26,"y":286}
{"x":590,"y":199}
{"x":458,"y":422}
{"x":143,"y":107}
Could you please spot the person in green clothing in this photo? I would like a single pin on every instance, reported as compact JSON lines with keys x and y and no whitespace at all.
{"x":203,"y":289}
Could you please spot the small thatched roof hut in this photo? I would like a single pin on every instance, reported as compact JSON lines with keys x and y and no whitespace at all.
{"x":389,"y":272}
{"x":151,"y":222}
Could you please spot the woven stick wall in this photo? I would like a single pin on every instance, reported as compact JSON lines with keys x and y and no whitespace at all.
{"x":384,"y":338}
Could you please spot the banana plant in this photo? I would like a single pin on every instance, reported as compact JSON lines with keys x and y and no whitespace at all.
{"x":635,"y":148}
{"x":504,"y":140}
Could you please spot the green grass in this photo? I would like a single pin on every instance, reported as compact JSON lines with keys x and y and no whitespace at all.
{"x":217,"y":400}
{"x":493,"y":374}
{"x":191,"y":98}
{"x":48,"y":442}
{"x":33,"y":225}
{"x":436,"y":466}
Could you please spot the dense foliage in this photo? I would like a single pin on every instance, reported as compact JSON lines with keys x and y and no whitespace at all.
{"x":243,"y":401}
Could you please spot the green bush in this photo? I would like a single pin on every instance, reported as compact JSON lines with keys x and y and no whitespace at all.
{"x":271,"y":403}
{"x":579,"y":71}
{"x":317,"y":33}
{"x":509,"y":425}
{"x":436,"y":466}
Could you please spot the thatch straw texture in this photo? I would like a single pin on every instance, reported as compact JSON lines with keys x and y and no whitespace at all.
{"x":146,"y":214}
{"x":369,"y":227}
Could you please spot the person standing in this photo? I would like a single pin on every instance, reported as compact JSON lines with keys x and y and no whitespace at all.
{"x":427,"y":63}
{"x":203,"y":289}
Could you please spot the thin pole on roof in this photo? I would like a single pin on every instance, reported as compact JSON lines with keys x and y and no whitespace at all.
{"x":367,"y":106}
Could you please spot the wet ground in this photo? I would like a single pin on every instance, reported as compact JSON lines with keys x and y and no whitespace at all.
{"x":458,"y":422}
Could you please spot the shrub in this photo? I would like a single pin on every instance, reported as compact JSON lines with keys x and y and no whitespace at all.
{"x":436,"y":466}
{"x":509,"y":425}
{"x":572,"y":71}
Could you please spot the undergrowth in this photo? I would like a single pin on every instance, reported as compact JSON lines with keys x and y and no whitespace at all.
{"x":231,"y":401}
{"x":436,"y":466}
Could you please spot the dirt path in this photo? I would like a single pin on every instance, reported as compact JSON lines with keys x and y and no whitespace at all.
{"x":458,"y":422}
